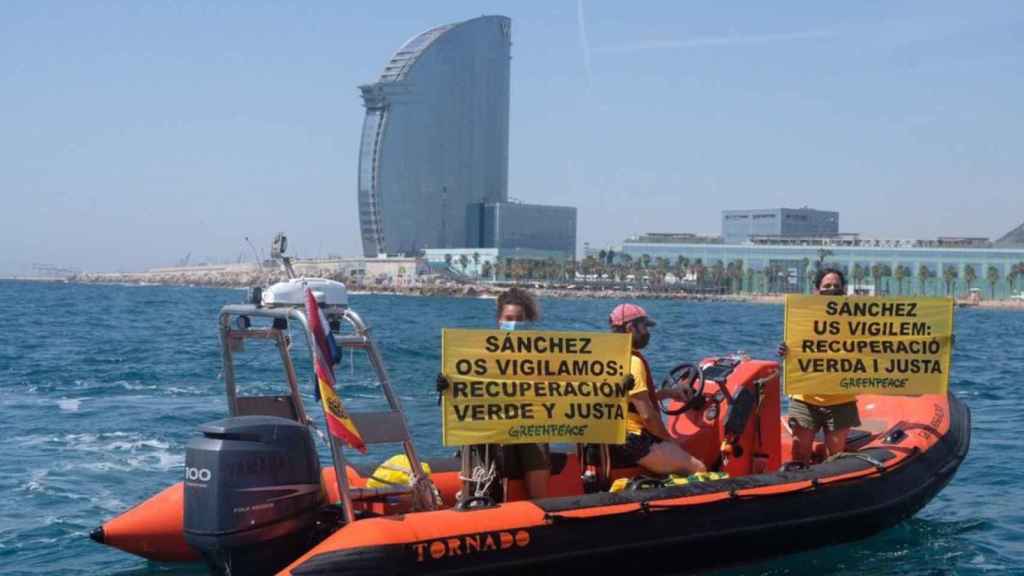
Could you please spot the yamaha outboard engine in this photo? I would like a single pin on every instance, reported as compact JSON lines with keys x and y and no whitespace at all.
{"x":252,"y":491}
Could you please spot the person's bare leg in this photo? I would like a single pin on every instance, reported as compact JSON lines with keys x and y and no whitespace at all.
{"x":803,"y":443}
{"x":835,"y":441}
{"x":669,"y":458}
{"x":536,"y":483}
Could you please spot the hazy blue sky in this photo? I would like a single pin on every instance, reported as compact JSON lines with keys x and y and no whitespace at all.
{"x":133,"y":133}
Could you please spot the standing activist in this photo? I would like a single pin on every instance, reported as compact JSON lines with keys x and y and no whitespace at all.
{"x":516,"y":307}
{"x":648,"y":441}
{"x":809,"y":413}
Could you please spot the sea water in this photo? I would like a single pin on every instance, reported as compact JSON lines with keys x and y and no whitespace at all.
{"x":102,"y":386}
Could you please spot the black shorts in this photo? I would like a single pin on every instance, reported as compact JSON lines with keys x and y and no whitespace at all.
{"x":831,"y":418}
{"x":521,"y":458}
{"x":639,"y":445}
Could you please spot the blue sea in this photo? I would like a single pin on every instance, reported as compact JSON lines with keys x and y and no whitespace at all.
{"x":102,"y":386}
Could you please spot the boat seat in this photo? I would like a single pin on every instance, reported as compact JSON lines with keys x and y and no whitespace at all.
{"x":380,"y":427}
{"x":280,"y":406}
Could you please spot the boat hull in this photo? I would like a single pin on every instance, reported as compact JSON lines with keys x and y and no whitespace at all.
{"x":720,"y":523}
{"x":912,"y":449}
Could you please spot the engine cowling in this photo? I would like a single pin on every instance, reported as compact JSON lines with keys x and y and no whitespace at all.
{"x":252,"y":492}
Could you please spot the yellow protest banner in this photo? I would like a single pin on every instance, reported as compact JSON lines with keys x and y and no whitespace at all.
{"x":868,"y":345}
{"x":520,"y":387}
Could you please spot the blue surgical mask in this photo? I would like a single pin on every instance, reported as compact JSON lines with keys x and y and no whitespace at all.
{"x":513,"y":325}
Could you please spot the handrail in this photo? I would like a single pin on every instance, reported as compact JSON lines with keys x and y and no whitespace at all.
{"x":423,"y":491}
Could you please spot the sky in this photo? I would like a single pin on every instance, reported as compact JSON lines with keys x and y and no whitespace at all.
{"x":136,"y":134}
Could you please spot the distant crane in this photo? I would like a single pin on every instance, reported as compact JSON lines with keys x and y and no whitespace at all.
{"x":255,"y":253}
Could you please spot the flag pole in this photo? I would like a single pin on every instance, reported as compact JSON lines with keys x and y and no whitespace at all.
{"x":337,"y":455}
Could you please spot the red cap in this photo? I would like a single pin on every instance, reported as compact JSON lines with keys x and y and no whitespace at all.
{"x":626,"y":313}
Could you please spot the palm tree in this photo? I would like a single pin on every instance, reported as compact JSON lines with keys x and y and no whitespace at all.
{"x":823,"y":253}
{"x":476,"y":259}
{"x":859,"y":273}
{"x":463,"y":262}
{"x":698,"y":271}
{"x":949,"y":276}
{"x":901,"y":273}
{"x":805,"y":265}
{"x":602,"y":256}
{"x":661,"y":265}
{"x":1015,"y":271}
{"x":588,"y":265}
{"x":626,"y":259}
{"x":552,"y":269}
{"x":812,"y":275}
{"x":529,"y":268}
{"x":750,"y":279}
{"x":717,"y":273}
{"x":992,"y":275}
{"x":487,"y":269}
{"x":970,"y":275}
{"x":737,"y":274}
{"x":448,"y":260}
{"x":645,"y":261}
{"x":876,"y":276}
{"x":682,"y":263}
{"x":775,"y":274}
{"x":923,"y":273}
{"x":516,"y":269}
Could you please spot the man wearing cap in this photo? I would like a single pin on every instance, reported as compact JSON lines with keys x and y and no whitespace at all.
{"x":648,"y":442}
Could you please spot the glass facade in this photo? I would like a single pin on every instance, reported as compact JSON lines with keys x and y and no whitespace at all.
{"x":435,"y":137}
{"x":886,"y":270}
{"x":488,"y":263}
{"x":513,"y":225}
{"x":739,"y":226}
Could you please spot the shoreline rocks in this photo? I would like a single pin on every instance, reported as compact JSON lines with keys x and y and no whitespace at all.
{"x":243,"y":276}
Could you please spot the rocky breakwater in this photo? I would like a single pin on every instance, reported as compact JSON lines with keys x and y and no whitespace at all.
{"x":245,"y":275}
{"x":237,"y":276}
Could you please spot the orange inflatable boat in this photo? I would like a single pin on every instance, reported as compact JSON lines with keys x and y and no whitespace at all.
{"x":254,"y":500}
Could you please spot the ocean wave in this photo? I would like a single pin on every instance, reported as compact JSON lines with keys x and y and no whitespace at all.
{"x":117,"y":451}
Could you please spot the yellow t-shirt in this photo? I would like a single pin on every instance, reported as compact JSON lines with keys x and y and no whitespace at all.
{"x":634,"y":423}
{"x":824,"y":400}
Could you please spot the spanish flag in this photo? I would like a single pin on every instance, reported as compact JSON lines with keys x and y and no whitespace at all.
{"x":338,"y":422}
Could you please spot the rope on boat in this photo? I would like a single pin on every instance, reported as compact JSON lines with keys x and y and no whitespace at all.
{"x":481,"y":478}
{"x":878,"y":464}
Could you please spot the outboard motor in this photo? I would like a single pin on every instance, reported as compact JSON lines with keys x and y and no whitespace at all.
{"x":252,"y":491}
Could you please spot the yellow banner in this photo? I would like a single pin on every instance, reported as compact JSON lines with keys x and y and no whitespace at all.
{"x":521,"y":387}
{"x":868,"y":345}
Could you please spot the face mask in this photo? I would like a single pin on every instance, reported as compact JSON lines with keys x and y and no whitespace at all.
{"x":513,"y":325}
